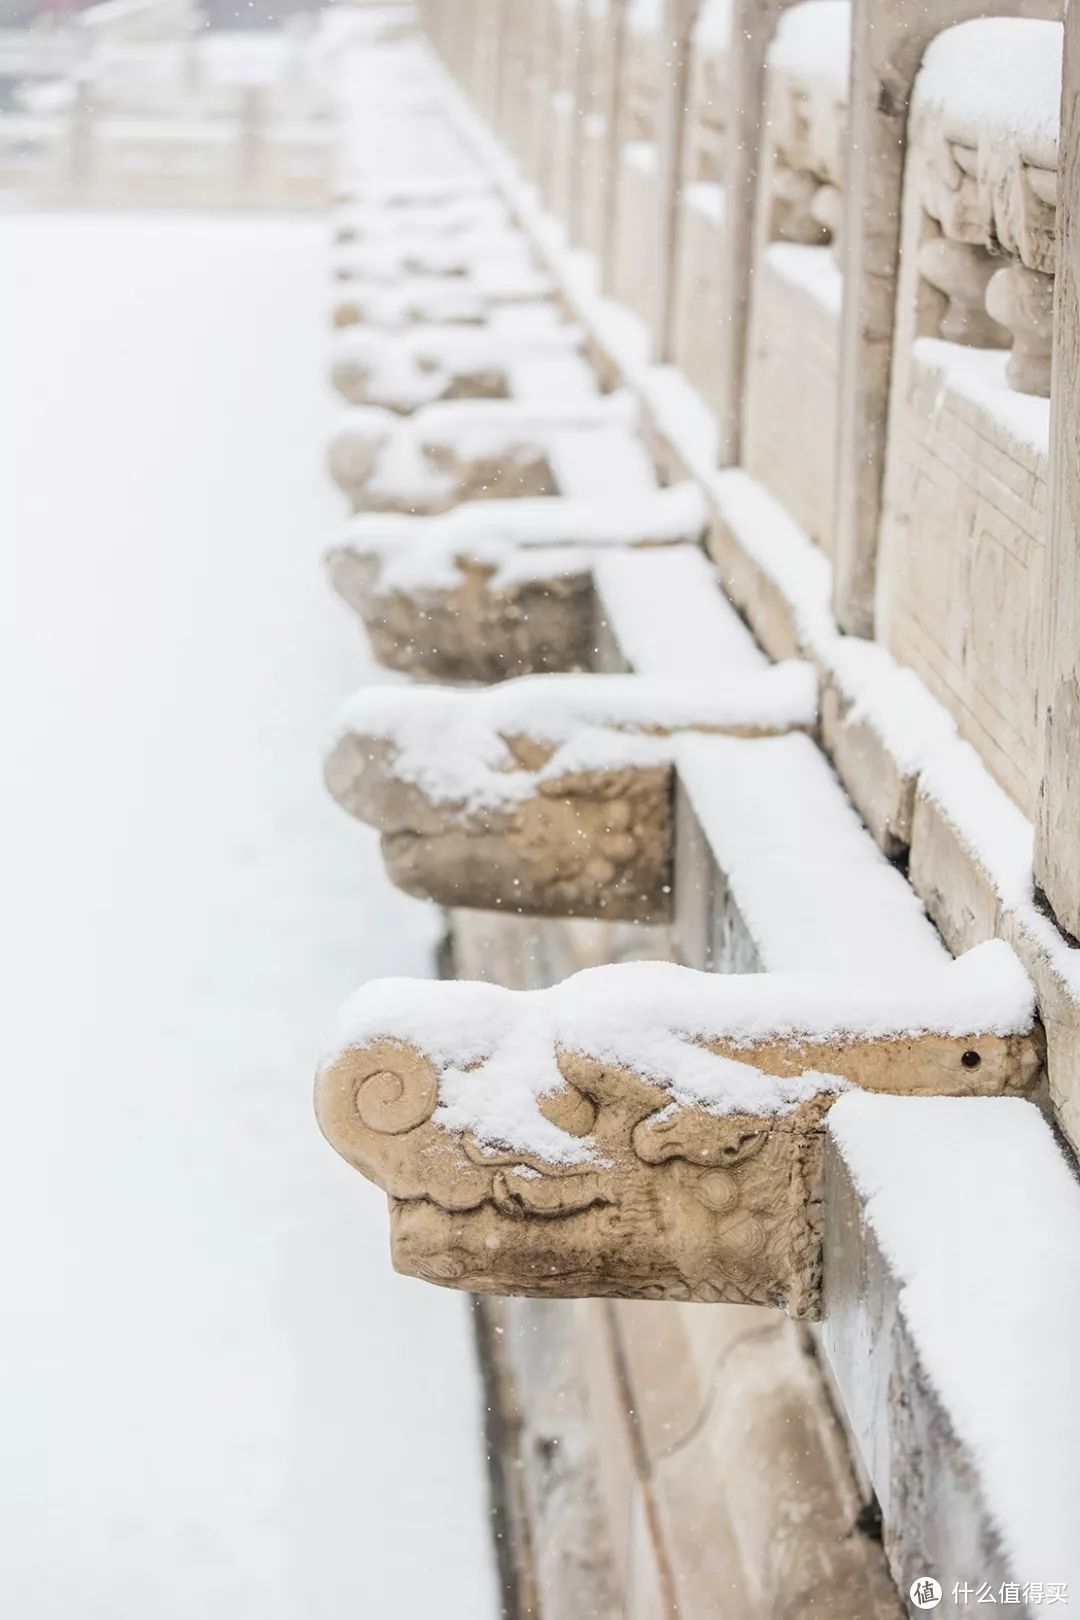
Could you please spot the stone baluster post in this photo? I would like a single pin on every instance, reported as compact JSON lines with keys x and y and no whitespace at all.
{"x":613,"y":119}
{"x":676,"y":30}
{"x":1022,"y":301}
{"x":1057,"y":845}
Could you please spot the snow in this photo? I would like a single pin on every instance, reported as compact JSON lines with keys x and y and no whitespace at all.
{"x":712,"y":28}
{"x":408,"y":369}
{"x":813,"y":41}
{"x":978,"y":1215}
{"x":451,"y":743}
{"x":998,"y":76}
{"x":810,"y":883}
{"x":892,"y":700}
{"x":978,"y":375}
{"x":708,"y":198}
{"x":496,"y":1050}
{"x":669,"y":615}
{"x":532,"y":538}
{"x":983,"y":814}
{"x":645,"y":16}
{"x":220,"y":1401}
{"x":771,"y":537}
{"x":813,"y":269}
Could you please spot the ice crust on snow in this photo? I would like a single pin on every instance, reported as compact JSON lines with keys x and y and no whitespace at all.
{"x":977,"y":1215}
{"x":452,"y":744}
{"x":496,"y":1050}
{"x":999,"y":75}
{"x":810,"y":883}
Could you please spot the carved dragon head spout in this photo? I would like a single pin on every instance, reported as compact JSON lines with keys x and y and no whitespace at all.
{"x":495,"y":589}
{"x":642,"y":1131}
{"x":550,"y":795}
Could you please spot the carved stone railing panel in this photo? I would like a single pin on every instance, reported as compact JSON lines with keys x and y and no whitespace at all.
{"x":790,"y":398}
{"x":807,"y":120}
{"x":889,"y":39}
{"x":478,"y":450}
{"x":549,"y":796}
{"x":498,"y":588}
{"x":644,"y":1131}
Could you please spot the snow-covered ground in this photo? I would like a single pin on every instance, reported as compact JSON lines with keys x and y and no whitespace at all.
{"x":219,"y":1402}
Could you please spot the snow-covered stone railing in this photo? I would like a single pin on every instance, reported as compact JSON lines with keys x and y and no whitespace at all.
{"x":644,"y":1131}
{"x":806,"y":120}
{"x":551,"y":795}
{"x":464,"y":450}
{"x":512,"y":356}
{"x":984,"y":135}
{"x":497,"y":588}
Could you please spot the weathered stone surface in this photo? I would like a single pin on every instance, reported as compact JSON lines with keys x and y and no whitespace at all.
{"x":732,"y":1202}
{"x":474,"y":629}
{"x":605,"y":1179}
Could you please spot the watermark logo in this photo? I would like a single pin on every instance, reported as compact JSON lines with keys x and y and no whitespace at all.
{"x":925,"y":1593}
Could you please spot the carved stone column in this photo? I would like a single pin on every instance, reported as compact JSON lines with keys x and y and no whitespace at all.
{"x":889,"y":38}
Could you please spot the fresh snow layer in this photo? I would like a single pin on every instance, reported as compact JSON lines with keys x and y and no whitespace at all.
{"x":669,"y":616}
{"x":781,"y":549}
{"x":978,"y":376}
{"x":451,"y":743}
{"x":987,"y":820}
{"x":813,"y":269}
{"x":892,"y":700}
{"x":997,"y":77}
{"x":712,"y":27}
{"x":977,"y":1215}
{"x":519,"y":540}
{"x":220,"y":1400}
{"x":496,"y":1050}
{"x":813,"y":41}
{"x":811,"y":885}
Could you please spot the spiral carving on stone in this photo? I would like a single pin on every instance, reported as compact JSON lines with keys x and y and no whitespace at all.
{"x":393,"y":1099}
